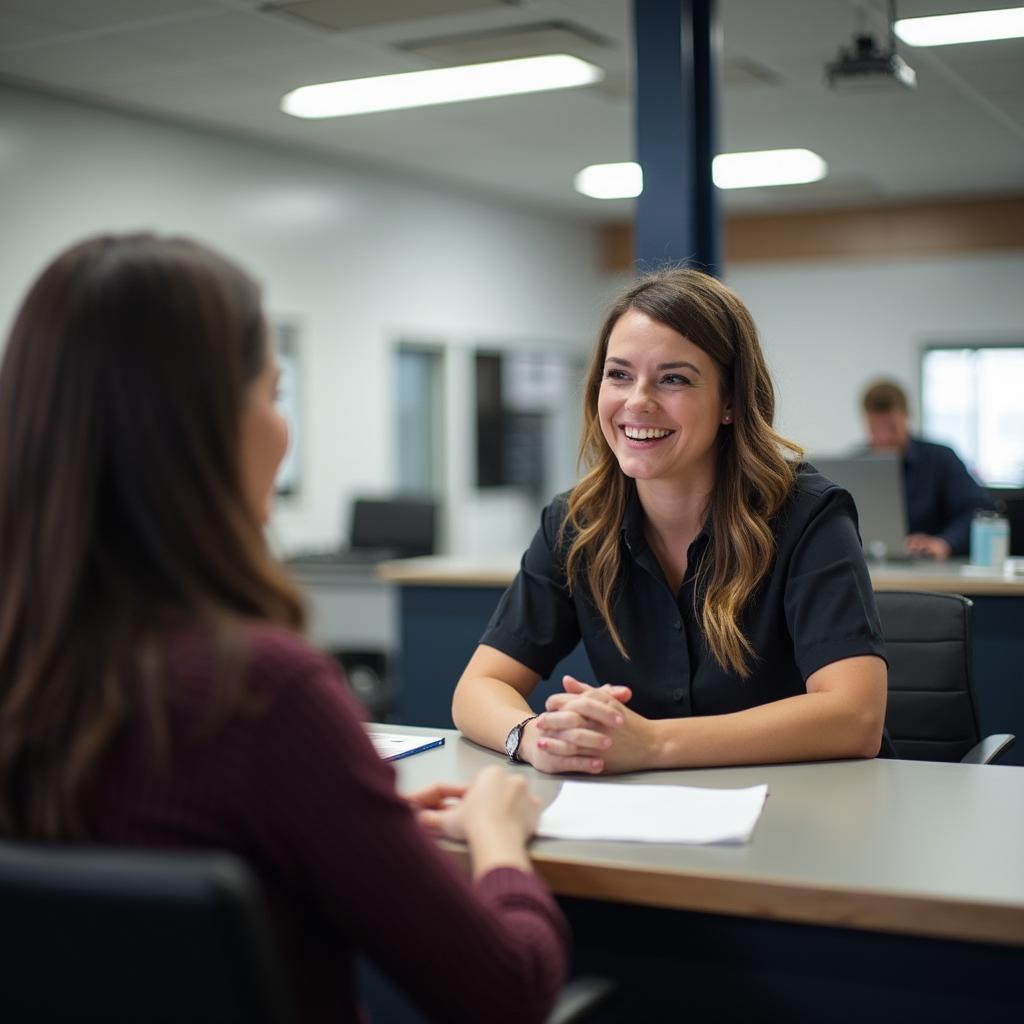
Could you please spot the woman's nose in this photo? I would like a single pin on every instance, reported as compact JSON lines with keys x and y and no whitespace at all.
{"x":639,"y":396}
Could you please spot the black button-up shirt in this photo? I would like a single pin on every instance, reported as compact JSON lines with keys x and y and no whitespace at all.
{"x":815,"y":606}
{"x":942,"y":496}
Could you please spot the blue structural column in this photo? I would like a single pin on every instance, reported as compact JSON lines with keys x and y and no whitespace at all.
{"x":678,"y":47}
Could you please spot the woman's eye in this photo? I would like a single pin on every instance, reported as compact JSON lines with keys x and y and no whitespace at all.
{"x":675,"y":378}
{"x":614,"y":374}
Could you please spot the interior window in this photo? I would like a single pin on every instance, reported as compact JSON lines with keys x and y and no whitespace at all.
{"x":971,"y":400}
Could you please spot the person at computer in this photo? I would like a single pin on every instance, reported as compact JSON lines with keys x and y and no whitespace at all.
{"x":719,"y":586}
{"x":942,"y":496}
{"x":155,"y":689}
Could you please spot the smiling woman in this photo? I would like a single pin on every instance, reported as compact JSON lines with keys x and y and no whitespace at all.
{"x":718,"y":586}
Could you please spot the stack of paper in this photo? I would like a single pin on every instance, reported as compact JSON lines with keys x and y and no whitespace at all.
{"x":652,"y":814}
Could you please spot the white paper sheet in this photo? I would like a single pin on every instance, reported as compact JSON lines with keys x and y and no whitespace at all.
{"x":652,"y":814}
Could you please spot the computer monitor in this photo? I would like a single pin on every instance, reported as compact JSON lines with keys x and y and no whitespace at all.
{"x":399,"y":527}
{"x":876,"y":483}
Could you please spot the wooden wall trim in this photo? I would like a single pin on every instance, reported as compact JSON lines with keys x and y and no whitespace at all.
{"x":855,"y":233}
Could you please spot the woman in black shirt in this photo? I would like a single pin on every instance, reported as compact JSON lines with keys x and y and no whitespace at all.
{"x":719,"y":588}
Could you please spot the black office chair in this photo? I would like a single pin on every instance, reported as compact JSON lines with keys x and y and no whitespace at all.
{"x":931,"y":713}
{"x":131,"y":936}
{"x":109,"y":935}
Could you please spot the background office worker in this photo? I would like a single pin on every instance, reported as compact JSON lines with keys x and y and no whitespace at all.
{"x":154,"y":689}
{"x":720,"y":592}
{"x":942,"y":496}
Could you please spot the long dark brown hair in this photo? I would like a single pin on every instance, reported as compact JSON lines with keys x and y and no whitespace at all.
{"x":122,"y":504}
{"x":752,"y":475}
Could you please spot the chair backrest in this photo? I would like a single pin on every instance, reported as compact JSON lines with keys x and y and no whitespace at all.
{"x":931,"y":713}
{"x":109,"y":935}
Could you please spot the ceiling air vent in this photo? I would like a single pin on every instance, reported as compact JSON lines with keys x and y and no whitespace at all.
{"x":509,"y":44}
{"x":346,"y":15}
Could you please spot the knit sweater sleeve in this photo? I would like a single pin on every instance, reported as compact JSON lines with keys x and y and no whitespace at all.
{"x":327,"y":819}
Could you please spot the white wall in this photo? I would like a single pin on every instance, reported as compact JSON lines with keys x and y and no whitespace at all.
{"x":829,"y":327}
{"x":360,"y":260}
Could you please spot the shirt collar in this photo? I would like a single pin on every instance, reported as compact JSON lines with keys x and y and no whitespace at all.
{"x":633,"y":525}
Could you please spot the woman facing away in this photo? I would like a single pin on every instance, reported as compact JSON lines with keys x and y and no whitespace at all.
{"x":154,"y":687}
{"x":719,"y":588}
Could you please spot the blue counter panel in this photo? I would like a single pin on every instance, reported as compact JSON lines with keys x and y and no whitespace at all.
{"x":440,"y":629}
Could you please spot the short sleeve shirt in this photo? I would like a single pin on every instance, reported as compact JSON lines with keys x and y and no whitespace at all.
{"x":814,"y":606}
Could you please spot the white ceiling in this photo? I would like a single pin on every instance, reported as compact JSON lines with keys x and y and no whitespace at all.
{"x":225,"y":64}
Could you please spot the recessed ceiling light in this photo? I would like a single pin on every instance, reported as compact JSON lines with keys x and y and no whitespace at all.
{"x":441,"y":85}
{"x":971,"y":27}
{"x":728,"y":170}
{"x":767,"y":167}
{"x":610,"y":181}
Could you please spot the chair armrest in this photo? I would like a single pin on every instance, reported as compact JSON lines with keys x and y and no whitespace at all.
{"x":988,"y":749}
{"x":580,"y":997}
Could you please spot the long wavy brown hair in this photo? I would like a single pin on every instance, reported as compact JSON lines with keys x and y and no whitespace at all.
{"x":753,"y":477}
{"x":122,"y":508}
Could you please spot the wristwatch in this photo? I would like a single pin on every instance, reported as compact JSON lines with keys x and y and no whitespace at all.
{"x":514,"y":738}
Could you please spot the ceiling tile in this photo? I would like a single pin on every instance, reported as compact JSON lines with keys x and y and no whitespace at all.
{"x":105,"y":14}
{"x":17,"y":31}
{"x":80,"y":63}
{"x":216,"y":36}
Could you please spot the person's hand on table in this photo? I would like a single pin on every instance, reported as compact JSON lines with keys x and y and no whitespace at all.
{"x":495,"y":801}
{"x":576,"y":730}
{"x":433,"y":799}
{"x":924,"y":544}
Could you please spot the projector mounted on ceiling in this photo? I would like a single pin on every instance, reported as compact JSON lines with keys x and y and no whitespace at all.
{"x":867,"y":68}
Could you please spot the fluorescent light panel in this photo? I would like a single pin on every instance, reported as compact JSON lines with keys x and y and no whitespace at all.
{"x":610,"y":181}
{"x":442,"y":85}
{"x":971,"y":27}
{"x":728,"y":170}
{"x":766,"y":167}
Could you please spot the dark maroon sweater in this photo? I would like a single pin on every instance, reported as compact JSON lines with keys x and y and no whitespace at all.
{"x":299,"y":793}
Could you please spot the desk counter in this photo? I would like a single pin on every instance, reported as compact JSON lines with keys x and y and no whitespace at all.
{"x":907,"y":847}
{"x":953,"y":577}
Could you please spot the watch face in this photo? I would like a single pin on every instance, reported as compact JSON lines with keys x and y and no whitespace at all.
{"x":512,"y":741}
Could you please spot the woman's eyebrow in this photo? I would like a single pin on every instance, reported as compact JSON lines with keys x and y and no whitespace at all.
{"x":678,"y":366}
{"x":661,"y":366}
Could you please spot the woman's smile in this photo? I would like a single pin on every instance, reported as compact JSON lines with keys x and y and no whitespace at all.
{"x":640,"y":433}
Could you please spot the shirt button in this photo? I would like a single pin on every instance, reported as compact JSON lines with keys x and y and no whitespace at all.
{"x":677,"y":625}
{"x":678,"y":693}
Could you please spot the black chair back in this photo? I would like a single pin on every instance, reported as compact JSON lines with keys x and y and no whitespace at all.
{"x":91,"y":934}
{"x":931,"y":713}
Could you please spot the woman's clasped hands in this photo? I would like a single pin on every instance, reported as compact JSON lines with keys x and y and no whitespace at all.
{"x":588,"y":729}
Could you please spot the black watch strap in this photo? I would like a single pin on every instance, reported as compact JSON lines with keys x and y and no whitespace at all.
{"x":515,"y":738}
